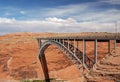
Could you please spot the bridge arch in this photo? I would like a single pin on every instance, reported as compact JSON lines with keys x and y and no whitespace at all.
{"x":76,"y":58}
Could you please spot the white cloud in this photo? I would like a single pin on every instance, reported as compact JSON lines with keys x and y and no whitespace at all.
{"x":117,"y":2}
{"x":85,"y":17}
{"x":109,"y":15}
{"x":59,"y":20}
{"x":54,"y":25}
{"x":6,"y":20}
{"x":82,"y":12}
{"x":90,"y":11}
{"x":22,"y":12}
{"x":66,"y":10}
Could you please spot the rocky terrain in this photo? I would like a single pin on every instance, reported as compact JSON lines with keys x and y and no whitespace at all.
{"x":19,"y":59}
{"x":107,"y":69}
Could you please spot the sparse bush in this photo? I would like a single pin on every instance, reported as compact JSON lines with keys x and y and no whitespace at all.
{"x":38,"y":81}
{"x":25,"y":80}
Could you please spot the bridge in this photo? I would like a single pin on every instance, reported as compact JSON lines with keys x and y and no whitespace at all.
{"x":68,"y":44}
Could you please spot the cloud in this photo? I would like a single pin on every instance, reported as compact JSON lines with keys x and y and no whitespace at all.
{"x":82,"y":17}
{"x":6,"y":20}
{"x":54,"y":25}
{"x":114,"y":2}
{"x":66,"y":10}
{"x":90,"y":11}
{"x":109,"y":15}
{"x":59,"y":20}
{"x":22,"y":12}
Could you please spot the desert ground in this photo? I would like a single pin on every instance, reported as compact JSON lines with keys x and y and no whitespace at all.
{"x":19,"y":60}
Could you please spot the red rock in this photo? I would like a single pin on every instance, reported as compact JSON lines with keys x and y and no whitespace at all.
{"x":19,"y":57}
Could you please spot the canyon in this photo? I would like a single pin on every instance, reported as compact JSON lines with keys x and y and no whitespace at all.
{"x":19,"y":60}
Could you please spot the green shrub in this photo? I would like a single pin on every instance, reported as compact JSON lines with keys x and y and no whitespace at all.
{"x":25,"y":80}
{"x":38,"y":81}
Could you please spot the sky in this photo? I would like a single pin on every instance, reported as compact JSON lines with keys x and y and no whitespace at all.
{"x":59,"y":16}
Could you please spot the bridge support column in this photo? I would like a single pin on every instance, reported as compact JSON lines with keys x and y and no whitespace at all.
{"x":115,"y":45}
{"x":39,"y":43}
{"x":84,"y":51}
{"x":44,"y":67}
{"x":68,"y":45}
{"x":63,"y":41}
{"x":109,"y":47}
{"x":74,"y":47}
{"x":95,"y":51}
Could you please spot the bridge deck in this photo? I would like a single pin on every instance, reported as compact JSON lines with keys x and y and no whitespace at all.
{"x":87,"y":36}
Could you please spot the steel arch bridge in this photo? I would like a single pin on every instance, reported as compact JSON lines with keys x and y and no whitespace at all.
{"x":79,"y":58}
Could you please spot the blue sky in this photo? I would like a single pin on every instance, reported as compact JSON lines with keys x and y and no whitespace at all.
{"x":59,"y":15}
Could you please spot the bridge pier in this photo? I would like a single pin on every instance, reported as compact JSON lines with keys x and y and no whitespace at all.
{"x":95,"y":51}
{"x":44,"y":67}
{"x":84,"y":51}
{"x":63,"y":42}
{"x":39,"y":43}
{"x":75,"y":47}
{"x":115,"y":44}
{"x":68,"y":45}
{"x":109,"y":47}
